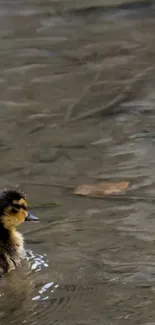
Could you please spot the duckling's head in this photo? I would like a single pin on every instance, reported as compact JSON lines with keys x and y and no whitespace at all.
{"x":13,"y":209}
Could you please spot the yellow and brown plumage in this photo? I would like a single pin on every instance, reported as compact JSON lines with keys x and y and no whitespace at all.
{"x":13,"y":212}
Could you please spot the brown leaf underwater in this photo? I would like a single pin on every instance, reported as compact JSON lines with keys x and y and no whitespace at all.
{"x":101,"y":189}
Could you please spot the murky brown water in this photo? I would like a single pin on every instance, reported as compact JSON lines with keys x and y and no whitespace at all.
{"x":77,"y":105}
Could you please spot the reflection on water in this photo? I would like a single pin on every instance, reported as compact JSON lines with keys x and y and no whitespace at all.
{"x":77,"y":106}
{"x":36,"y":261}
{"x":43,"y":292}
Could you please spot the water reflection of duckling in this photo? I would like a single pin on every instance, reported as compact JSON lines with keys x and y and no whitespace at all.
{"x":13,"y":211}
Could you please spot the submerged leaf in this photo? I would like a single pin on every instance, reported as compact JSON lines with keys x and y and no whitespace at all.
{"x":100,"y":189}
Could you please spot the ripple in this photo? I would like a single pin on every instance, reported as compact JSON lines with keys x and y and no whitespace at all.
{"x":58,"y":300}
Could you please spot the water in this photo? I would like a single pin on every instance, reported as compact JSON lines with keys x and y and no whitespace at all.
{"x":77,"y":106}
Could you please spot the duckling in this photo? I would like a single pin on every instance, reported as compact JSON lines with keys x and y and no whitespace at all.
{"x":13,"y":212}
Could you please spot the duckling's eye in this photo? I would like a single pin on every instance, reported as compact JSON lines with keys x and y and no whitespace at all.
{"x":13,"y":210}
{"x":23,"y":207}
{"x":17,"y":207}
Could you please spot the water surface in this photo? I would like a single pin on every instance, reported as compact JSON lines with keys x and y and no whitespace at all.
{"x":77,"y":106}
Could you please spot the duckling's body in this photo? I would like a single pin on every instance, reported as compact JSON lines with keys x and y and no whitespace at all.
{"x":13,"y":211}
{"x":11,"y":250}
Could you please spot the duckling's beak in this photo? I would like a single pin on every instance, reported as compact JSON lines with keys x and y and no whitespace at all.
{"x":31,"y":218}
